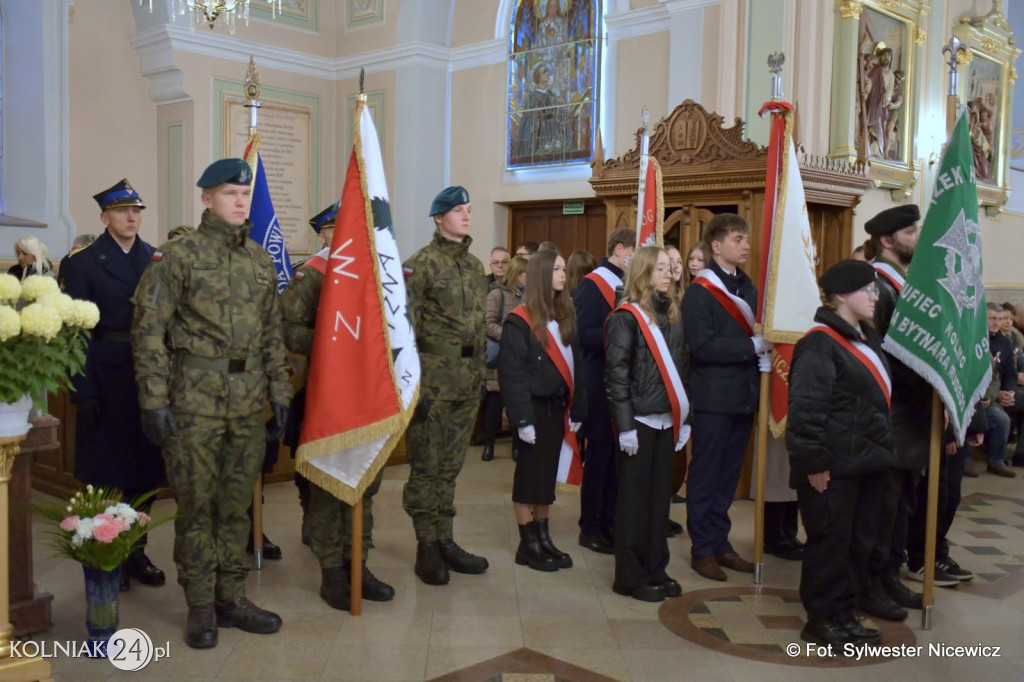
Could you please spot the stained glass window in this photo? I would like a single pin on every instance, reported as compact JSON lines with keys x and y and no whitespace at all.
{"x":553,"y":63}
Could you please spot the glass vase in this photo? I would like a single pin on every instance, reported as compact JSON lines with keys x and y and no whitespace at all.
{"x":101,"y":592}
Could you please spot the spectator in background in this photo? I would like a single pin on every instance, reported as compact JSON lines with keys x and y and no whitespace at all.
{"x":675,"y":261}
{"x":858,"y":254}
{"x":1001,"y":394}
{"x":548,"y":246}
{"x":697,"y":259}
{"x":81,"y":241}
{"x":1009,"y":331}
{"x":1018,"y":317}
{"x":33,"y":258}
{"x":498,"y":264}
{"x":527,"y":249}
{"x":580,"y":264}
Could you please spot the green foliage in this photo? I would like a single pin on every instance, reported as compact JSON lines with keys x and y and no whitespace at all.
{"x":32,"y":365}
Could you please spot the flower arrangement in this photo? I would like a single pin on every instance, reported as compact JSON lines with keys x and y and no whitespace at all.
{"x":96,"y":528}
{"x":43,"y":337}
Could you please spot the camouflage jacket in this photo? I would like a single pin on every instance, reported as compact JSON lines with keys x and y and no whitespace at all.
{"x":299,"y":302}
{"x":210,"y":294}
{"x":447,"y":290}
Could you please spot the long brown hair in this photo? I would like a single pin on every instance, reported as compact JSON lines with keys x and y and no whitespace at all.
{"x":687,"y":277}
{"x":580,"y":264}
{"x":639,"y":289}
{"x":516,"y":267}
{"x":546,"y":304}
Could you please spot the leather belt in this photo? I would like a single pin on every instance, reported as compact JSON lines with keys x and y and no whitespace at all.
{"x":110,"y":335}
{"x":228,"y":365}
{"x":446,"y":351}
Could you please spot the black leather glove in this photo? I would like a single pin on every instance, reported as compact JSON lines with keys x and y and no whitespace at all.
{"x":276,"y":427}
{"x":88,"y":412}
{"x":159,"y":426}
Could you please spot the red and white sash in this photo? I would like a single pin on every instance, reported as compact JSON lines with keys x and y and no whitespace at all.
{"x":570,"y":464}
{"x":669,"y":373}
{"x":891,"y":274}
{"x":607,"y":282}
{"x":865,"y":354}
{"x":737,"y":308}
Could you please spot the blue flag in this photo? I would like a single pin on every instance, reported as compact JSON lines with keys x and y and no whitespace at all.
{"x":266,"y":231}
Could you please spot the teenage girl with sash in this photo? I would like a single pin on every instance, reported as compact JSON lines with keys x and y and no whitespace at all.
{"x":840,"y":444}
{"x":538,"y":371}
{"x":644,"y":348}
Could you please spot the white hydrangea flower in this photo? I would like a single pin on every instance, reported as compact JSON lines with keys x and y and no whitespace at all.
{"x":85,"y":314}
{"x":62,"y":303}
{"x":40,"y":320}
{"x":122,"y":511}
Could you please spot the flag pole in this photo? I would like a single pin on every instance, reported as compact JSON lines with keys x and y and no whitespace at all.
{"x":642,"y":186}
{"x":253,"y":104}
{"x":955,"y":52}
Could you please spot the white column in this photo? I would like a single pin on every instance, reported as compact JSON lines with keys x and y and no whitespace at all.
{"x":686,"y":49}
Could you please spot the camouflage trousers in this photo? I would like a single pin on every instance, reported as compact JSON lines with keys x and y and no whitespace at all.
{"x":436,"y":441}
{"x":212,"y":466}
{"x":330,"y":525}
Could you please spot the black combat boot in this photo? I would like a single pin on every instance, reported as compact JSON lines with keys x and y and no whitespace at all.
{"x":335,"y":588}
{"x":243,"y":614}
{"x":900,"y":593}
{"x":270,"y":550}
{"x":530,"y":553}
{"x":201,"y":627}
{"x":430,"y":567}
{"x":849,"y":622}
{"x":139,"y":567}
{"x":875,"y":601}
{"x":374,"y":589}
{"x":561,"y":558}
{"x":827,"y":632}
{"x":488,"y":453}
{"x":459,"y":560}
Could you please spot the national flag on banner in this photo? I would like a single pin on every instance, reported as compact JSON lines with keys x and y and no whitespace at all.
{"x":789,"y":284}
{"x":650,"y":200}
{"x":266,"y":231}
{"x":939,"y":328}
{"x":364,"y":372}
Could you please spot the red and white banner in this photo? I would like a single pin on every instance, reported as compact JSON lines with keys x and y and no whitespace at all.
{"x":364,"y":373}
{"x":650,"y":200}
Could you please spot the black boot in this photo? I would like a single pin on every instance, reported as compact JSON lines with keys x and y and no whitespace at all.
{"x":561,"y":558}
{"x":374,"y":589}
{"x":488,"y":454}
{"x":243,"y":614}
{"x":849,"y":622}
{"x":429,"y":566}
{"x":201,"y":627}
{"x":335,"y":588}
{"x":139,"y":567}
{"x":270,"y":550}
{"x":826,"y":632}
{"x":459,"y":560}
{"x":875,"y":601}
{"x":530,"y":553}
{"x":673,"y":529}
{"x":898,"y":592}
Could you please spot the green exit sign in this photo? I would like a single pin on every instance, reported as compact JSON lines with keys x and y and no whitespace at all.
{"x":572,"y":208}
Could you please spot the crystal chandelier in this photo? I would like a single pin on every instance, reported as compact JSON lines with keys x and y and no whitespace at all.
{"x":208,"y":11}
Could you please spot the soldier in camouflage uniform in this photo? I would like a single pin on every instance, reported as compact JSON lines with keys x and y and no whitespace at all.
{"x":328,"y":518}
{"x":446,"y":291}
{"x":208,"y":349}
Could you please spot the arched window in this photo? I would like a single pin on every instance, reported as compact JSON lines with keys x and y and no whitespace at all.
{"x":552,"y":82}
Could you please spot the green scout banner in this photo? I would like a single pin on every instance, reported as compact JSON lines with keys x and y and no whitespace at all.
{"x":939,"y":327}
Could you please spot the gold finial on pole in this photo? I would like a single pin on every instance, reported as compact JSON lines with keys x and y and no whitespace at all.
{"x":252,"y":94}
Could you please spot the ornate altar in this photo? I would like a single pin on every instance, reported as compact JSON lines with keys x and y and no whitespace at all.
{"x":709,"y":169}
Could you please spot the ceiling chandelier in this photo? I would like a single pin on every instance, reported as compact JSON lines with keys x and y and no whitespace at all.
{"x":208,"y":11}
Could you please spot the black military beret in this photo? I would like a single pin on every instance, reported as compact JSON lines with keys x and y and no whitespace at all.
{"x":847,"y":276}
{"x":233,"y":171}
{"x":893,"y":219}
{"x":325,"y":218}
{"x":121,"y":194}
{"x":449,"y":198}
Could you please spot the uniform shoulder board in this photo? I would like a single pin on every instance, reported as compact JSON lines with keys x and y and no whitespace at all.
{"x":299,"y":274}
{"x":158,"y":255}
{"x":407,"y":271}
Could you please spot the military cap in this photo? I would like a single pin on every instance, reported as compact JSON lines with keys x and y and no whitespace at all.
{"x":449,"y":198}
{"x":847,"y":276}
{"x":121,"y":194}
{"x":892,"y":219}
{"x":325,"y":218}
{"x":232,"y":171}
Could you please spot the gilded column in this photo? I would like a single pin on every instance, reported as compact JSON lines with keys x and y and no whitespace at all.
{"x":843,"y":124}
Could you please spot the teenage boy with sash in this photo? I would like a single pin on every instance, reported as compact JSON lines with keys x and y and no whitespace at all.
{"x":594,"y":299}
{"x":725,"y":358}
{"x":893,"y":237}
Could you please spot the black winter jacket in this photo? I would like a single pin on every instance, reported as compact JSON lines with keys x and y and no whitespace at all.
{"x":591,"y":312}
{"x":723,"y":365}
{"x":526,"y":372}
{"x":838,"y":420}
{"x":632,"y":378}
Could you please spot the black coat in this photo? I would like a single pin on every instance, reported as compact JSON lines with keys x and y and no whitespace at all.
{"x":591,"y":312}
{"x":526,"y":372}
{"x":911,"y":394}
{"x":632,"y":378}
{"x":723,"y":365}
{"x":838,"y":420}
{"x":113,"y":451}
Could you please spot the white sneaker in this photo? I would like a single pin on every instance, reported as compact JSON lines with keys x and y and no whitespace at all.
{"x":942,"y":579}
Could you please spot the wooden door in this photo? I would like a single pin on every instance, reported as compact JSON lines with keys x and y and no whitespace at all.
{"x":541,"y":221}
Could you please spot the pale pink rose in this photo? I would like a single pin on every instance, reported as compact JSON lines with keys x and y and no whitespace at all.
{"x":105,"y":532}
{"x":69,"y":524}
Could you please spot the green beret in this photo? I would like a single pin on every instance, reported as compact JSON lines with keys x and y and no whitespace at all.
{"x":232,"y":171}
{"x":847,"y":276}
{"x":449,"y":198}
{"x":892,"y":219}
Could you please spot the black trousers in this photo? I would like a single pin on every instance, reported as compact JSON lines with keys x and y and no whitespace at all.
{"x":490,"y":416}
{"x":719,"y":445}
{"x":842,"y":526}
{"x":537,"y":465}
{"x":641,"y":513}
{"x":780,"y":522}
{"x":600,"y":483}
{"x":951,"y":475}
{"x":900,"y":491}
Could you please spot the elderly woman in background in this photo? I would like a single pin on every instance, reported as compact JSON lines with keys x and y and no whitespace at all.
{"x":33,"y":258}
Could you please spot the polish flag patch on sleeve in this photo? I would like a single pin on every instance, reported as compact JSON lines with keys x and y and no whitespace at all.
{"x":407,"y":271}
{"x":158,"y":255}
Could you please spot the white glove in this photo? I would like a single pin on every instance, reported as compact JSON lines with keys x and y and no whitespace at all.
{"x":575,"y":426}
{"x":629,"y":443}
{"x":684,"y":435}
{"x":764,"y":363}
{"x":761,"y":344}
{"x":528,"y":434}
